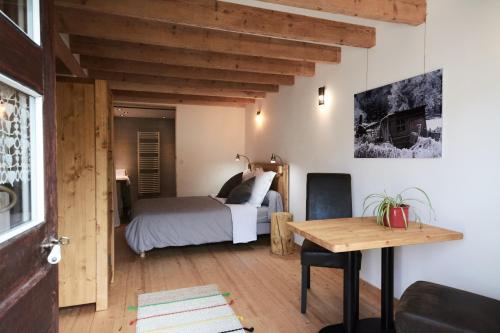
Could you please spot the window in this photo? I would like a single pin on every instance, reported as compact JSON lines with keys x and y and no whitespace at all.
{"x":25,"y":14}
{"x":400,"y":125}
{"x":21,"y":159}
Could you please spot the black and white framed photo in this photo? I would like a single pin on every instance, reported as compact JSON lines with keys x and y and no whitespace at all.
{"x":400,"y":120}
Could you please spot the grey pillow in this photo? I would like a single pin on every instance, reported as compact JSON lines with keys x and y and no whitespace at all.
{"x":241,"y":193}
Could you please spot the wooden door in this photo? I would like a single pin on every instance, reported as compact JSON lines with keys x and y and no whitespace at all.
{"x":84,"y":172}
{"x":28,"y":283}
{"x":76,"y":166}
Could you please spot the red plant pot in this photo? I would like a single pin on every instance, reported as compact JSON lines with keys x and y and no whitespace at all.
{"x":396,"y":217}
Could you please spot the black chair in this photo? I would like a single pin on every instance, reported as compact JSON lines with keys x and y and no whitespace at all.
{"x":328,"y":197}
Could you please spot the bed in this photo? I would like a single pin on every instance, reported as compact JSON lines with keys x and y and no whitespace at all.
{"x":165,"y":222}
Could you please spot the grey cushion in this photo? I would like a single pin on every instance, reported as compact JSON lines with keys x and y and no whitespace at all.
{"x":241,"y":193}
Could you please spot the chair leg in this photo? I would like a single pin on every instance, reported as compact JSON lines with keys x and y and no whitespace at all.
{"x":308,"y":277}
{"x":303,"y":298}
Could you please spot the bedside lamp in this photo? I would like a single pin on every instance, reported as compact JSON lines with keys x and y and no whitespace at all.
{"x":274,"y":157}
{"x":238,"y":157}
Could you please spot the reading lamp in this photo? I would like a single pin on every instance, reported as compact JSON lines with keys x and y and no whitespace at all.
{"x":238,"y":156}
{"x":273,"y":158}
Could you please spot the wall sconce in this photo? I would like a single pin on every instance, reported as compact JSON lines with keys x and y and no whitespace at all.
{"x":274,"y":157}
{"x":259,"y":117}
{"x":321,"y":95}
{"x":238,"y":157}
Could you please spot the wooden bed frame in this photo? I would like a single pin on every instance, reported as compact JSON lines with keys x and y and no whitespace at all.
{"x":280,"y":182}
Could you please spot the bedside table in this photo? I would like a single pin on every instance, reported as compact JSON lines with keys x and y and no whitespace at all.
{"x":281,"y":238}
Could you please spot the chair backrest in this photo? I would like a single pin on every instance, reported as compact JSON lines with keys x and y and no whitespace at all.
{"x":328,"y":196}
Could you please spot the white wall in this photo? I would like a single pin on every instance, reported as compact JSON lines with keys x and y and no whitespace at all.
{"x":207,"y":140}
{"x":463,"y":38}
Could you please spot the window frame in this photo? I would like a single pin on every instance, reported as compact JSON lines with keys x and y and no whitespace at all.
{"x":33,"y":21}
{"x":37,"y":173}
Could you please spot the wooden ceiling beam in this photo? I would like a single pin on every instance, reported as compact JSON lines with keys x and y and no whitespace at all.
{"x":134,"y":30}
{"x":181,"y":83}
{"x":183,"y":72}
{"x":172,"y":89}
{"x":237,"y":18}
{"x":63,"y":53}
{"x":131,"y":98}
{"x":179,"y":57}
{"x":400,"y":11}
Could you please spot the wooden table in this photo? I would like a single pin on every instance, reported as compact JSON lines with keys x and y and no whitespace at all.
{"x":352,"y":234}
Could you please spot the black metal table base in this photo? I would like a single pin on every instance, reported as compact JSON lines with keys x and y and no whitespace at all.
{"x":370,"y":325}
{"x":351,"y":323}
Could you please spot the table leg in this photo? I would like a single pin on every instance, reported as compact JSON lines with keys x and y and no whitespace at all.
{"x":387,"y":302}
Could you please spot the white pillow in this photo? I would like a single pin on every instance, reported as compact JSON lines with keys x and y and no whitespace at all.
{"x":261,"y":186}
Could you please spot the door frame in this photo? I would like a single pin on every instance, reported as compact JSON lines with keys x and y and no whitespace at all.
{"x":28,"y":283}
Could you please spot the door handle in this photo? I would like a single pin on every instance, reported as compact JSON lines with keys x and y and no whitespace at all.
{"x":53,"y":245}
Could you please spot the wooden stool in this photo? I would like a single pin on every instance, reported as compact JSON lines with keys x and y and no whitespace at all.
{"x":281,"y":238}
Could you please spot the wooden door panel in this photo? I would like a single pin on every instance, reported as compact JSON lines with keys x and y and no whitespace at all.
{"x":76,"y":167}
{"x":14,"y":61}
{"x":28,"y":283}
{"x":29,"y":312}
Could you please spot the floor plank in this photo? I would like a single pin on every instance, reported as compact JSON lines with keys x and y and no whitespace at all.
{"x":264,"y":287}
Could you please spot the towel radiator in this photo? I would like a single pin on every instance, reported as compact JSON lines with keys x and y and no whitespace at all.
{"x":148,"y":160}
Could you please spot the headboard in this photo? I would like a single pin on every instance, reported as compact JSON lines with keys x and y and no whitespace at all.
{"x":280,"y":182}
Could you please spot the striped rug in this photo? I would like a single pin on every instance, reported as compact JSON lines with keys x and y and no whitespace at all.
{"x":202,"y":309}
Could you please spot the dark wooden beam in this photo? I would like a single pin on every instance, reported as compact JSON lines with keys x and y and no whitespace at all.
{"x":183,"y":72}
{"x":63,"y":53}
{"x":179,"y":57}
{"x":237,"y":18}
{"x":134,"y":30}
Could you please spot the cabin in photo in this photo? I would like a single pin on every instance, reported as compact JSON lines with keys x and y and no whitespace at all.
{"x":403,"y":128}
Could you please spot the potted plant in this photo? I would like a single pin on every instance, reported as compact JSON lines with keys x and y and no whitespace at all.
{"x":392,"y":212}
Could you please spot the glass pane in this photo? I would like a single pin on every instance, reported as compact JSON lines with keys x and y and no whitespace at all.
{"x":15,"y":156}
{"x":21,"y":13}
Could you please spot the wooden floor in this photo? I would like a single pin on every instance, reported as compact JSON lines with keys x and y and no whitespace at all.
{"x":265,"y":287}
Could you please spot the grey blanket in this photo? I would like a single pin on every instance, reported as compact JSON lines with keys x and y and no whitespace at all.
{"x":163,"y":222}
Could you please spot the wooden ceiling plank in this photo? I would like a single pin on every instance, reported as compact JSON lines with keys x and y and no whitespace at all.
{"x":237,"y":18}
{"x":411,"y":12}
{"x":134,"y":30}
{"x":172,"y":89}
{"x":179,"y":57}
{"x":181,"y":83}
{"x":183,"y":72}
{"x":124,"y":97}
{"x":63,"y":53}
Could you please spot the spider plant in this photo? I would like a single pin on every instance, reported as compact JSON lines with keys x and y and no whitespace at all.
{"x":381,"y":204}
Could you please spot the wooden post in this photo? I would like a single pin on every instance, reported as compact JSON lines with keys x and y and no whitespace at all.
{"x":281,"y":238}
